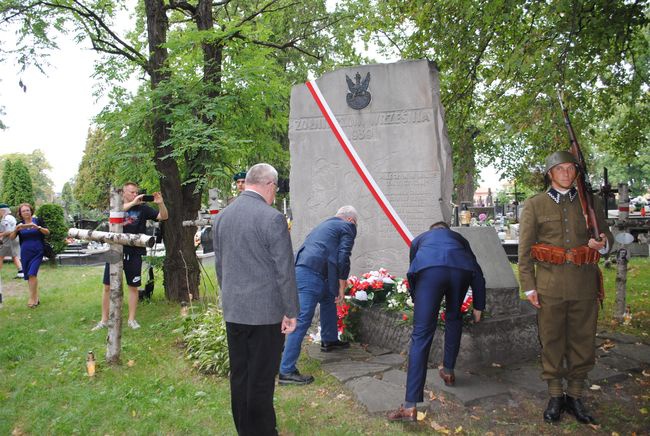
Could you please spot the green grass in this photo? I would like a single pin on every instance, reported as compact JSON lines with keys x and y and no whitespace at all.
{"x":44,"y":388}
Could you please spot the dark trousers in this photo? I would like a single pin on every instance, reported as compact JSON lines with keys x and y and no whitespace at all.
{"x":432,"y":284}
{"x":254,"y":352}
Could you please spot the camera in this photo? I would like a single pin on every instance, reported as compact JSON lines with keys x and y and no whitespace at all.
{"x":147,"y":197}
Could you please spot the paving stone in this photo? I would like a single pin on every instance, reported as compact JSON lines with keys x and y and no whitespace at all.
{"x":347,"y":370}
{"x":395,"y":376}
{"x":525,"y":377}
{"x":639,"y":352}
{"x":378,"y":395}
{"x":604,"y":374}
{"x":619,"y":362}
{"x":394,"y":360}
{"x":619,"y":337}
{"x":355,"y":352}
{"x":376,"y":350}
{"x":469,"y":390}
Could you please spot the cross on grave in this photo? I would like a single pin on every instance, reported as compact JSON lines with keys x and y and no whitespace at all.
{"x":116,"y":239}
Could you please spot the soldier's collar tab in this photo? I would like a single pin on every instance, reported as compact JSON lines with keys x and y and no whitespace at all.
{"x":555,"y":195}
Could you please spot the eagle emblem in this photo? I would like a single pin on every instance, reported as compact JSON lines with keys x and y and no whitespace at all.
{"x":358,"y":96}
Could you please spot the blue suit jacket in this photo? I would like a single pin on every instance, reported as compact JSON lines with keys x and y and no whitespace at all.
{"x":327,"y":250}
{"x":443,"y":247}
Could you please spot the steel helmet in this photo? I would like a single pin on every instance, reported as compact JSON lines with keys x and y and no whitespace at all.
{"x":557,"y":158}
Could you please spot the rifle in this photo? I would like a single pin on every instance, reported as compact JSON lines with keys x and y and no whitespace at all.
{"x":582,"y":182}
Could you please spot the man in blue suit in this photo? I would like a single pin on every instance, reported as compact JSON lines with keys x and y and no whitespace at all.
{"x":442,"y":265}
{"x":322,"y":268}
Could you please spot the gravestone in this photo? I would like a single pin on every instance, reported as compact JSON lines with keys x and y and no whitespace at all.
{"x":393,"y":117}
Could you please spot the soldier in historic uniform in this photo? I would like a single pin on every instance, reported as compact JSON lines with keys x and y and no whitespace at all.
{"x":558,"y":271}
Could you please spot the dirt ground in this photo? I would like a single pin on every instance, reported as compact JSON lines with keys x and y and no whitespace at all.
{"x":619,"y":408}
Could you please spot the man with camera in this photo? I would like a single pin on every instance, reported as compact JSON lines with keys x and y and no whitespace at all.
{"x":136,"y":214}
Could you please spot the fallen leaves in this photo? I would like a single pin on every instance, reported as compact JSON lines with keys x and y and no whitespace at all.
{"x":130,"y":363}
{"x":421,"y":416}
{"x":607,"y":345}
{"x":439,"y":428}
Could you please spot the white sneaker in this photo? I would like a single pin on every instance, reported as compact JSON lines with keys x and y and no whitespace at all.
{"x":100,"y":325}
{"x":20,"y":275}
{"x":134,"y":324}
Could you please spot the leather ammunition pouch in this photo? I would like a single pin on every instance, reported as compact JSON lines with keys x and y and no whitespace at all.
{"x":558,"y":255}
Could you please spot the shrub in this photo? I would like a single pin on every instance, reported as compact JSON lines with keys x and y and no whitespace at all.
{"x":206,"y":341}
{"x":53,"y":218}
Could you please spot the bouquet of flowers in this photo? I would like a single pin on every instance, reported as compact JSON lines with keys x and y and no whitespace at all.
{"x":372,"y":287}
{"x":466,"y":312}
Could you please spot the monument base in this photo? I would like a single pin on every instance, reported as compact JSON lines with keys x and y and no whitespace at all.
{"x":500,"y":339}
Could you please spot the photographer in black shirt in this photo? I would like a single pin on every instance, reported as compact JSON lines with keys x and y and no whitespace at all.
{"x":136,"y":214}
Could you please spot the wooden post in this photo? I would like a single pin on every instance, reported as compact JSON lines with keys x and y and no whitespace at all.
{"x":622,"y":255}
{"x":114,"y":338}
{"x":621,"y":283}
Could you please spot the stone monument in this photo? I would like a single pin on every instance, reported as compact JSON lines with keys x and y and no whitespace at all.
{"x":508,"y":332}
{"x":393,"y":117}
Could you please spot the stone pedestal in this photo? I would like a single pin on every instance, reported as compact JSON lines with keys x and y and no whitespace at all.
{"x":508,"y":333}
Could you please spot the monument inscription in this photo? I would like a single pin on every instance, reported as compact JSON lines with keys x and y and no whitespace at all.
{"x":401,"y":138}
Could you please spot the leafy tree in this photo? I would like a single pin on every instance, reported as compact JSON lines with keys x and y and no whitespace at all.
{"x":94,"y":177}
{"x":502,"y":62}
{"x":53,"y":218}
{"x":37,"y":164}
{"x":17,"y":184}
{"x":217,"y":92}
{"x":70,"y":205}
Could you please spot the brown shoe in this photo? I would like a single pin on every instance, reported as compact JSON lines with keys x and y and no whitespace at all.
{"x":402,"y":414}
{"x":449,"y":379}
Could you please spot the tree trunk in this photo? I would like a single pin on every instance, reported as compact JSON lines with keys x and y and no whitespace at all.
{"x":114,"y":338}
{"x":465,"y":167}
{"x":180,"y":268}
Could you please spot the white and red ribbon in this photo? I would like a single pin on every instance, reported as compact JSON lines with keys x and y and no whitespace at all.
{"x":116,"y":217}
{"x":357,"y":163}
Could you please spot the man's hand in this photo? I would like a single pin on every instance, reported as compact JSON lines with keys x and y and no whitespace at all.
{"x":477,"y":315}
{"x":532,"y":298}
{"x":157,"y":198}
{"x":288,"y":325}
{"x":598,"y":245}
{"x":341,"y":297}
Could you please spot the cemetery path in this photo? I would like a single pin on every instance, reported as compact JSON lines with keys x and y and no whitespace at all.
{"x":502,"y":399}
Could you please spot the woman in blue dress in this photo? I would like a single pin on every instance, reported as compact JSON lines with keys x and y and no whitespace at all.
{"x":31,"y":233}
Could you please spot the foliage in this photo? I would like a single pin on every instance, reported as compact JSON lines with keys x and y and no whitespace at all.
{"x":206,"y":341}
{"x":54,"y":219}
{"x":93,"y":181}
{"x":502,"y":62}
{"x":219,"y":76}
{"x":37,"y":165}
{"x":17,"y":184}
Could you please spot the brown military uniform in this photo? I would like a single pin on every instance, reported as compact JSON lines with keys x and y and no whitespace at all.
{"x":567,"y":292}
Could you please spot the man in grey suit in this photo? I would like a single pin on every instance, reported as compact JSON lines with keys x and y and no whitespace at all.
{"x":254,"y":263}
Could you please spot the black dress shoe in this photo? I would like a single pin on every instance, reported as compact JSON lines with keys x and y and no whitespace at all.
{"x":575,"y":407}
{"x":295,"y":378}
{"x":554,"y":409}
{"x":326,"y":347}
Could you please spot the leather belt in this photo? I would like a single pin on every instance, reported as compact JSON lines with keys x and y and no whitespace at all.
{"x":557,"y":255}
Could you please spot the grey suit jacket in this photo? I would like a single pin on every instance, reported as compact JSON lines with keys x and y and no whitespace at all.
{"x":254,"y":262}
